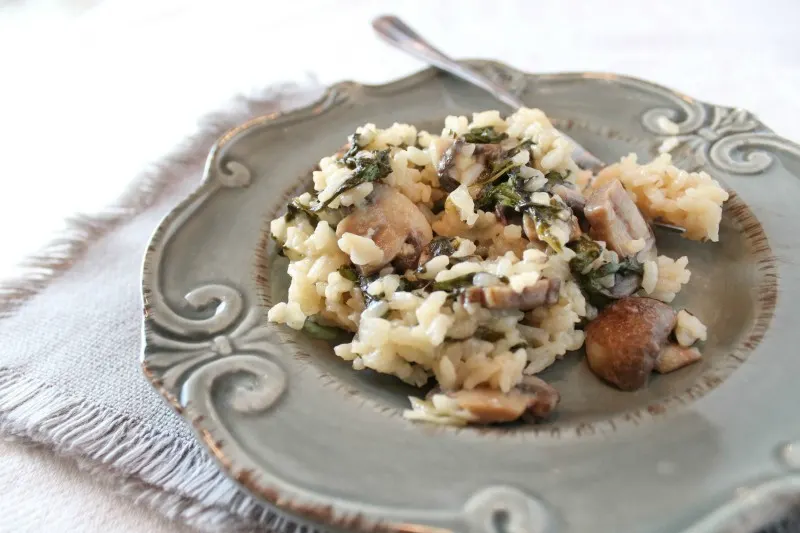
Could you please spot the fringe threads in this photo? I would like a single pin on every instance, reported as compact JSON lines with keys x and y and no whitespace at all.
{"x":172,"y":476}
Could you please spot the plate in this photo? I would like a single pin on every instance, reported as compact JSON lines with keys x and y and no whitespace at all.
{"x":700,"y":450}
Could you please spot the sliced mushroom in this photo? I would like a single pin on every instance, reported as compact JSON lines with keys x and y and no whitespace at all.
{"x":547,"y":396}
{"x":543,"y":292}
{"x":675,"y":356}
{"x":490,"y":406}
{"x":392,"y":221}
{"x":625,"y":285}
{"x":615,"y":219}
{"x":624,"y":341}
{"x":464,"y":163}
{"x":571,"y":196}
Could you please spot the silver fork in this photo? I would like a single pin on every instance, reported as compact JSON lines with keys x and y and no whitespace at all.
{"x":399,"y":34}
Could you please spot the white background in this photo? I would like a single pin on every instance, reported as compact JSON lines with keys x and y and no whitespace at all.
{"x":93,"y":90}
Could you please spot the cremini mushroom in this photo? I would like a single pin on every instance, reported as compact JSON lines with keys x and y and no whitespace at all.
{"x":464,"y":163}
{"x":675,"y":356}
{"x":393,"y":223}
{"x":625,"y":340}
{"x":615,"y":219}
{"x":490,"y":406}
{"x":570,"y":196}
{"x":543,"y":292}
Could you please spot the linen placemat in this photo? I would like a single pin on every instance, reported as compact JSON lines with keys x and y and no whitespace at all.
{"x":70,"y":337}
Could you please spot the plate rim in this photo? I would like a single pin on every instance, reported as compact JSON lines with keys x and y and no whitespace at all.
{"x":216,"y":165}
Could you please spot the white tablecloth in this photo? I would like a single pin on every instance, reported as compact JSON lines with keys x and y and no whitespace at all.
{"x":92,"y":90}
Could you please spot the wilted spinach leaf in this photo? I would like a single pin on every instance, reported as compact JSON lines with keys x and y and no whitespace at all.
{"x":367,"y":169}
{"x":318,"y":331}
{"x":484,"y":135}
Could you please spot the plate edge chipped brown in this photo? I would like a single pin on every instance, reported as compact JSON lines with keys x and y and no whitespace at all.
{"x":266,"y":403}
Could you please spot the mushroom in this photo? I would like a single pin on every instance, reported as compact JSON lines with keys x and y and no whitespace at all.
{"x":624,"y":285}
{"x":675,"y":356}
{"x":464,"y":163}
{"x":571,"y":196}
{"x":625,"y":340}
{"x":490,"y":406}
{"x":543,"y":292}
{"x":615,"y":219}
{"x":393,"y":223}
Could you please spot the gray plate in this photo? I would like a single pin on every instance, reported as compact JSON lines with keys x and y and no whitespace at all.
{"x":707,"y":448}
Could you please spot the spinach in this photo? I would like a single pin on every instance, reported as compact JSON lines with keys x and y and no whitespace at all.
{"x":348,"y":273}
{"x":508,"y":194}
{"x":455,"y":284}
{"x":408,"y":285}
{"x":590,"y":282}
{"x":367,"y":169}
{"x":586,"y":252}
{"x":318,"y":331}
{"x":295,"y":208}
{"x":504,"y":194}
{"x":485,"y":135}
{"x":498,"y":168}
{"x":485,"y":334}
{"x":524,"y":145}
{"x":439,"y":246}
{"x":349,"y":157}
{"x":363,"y":283}
{"x":544,"y":216}
{"x":554,"y":178}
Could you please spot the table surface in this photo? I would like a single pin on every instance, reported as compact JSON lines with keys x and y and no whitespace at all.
{"x":94,"y":90}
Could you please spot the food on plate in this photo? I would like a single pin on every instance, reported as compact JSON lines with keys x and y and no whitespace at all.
{"x":477,"y":258}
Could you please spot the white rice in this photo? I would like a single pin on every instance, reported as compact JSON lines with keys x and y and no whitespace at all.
{"x":689,"y":329}
{"x":421,"y":336}
{"x":692,"y":200}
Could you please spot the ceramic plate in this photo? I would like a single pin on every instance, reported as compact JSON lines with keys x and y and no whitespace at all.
{"x":708,"y":448}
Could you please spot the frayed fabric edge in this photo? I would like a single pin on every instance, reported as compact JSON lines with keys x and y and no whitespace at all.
{"x":173,"y":477}
{"x":41,"y":268}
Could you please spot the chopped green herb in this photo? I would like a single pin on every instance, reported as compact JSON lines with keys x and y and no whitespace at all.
{"x":363,"y":283}
{"x":439,"y":246}
{"x":367,"y":169}
{"x":586,"y":252}
{"x":318,"y":331}
{"x":503,"y":194}
{"x":485,"y":334}
{"x":498,"y":169}
{"x":554,"y":177}
{"x":408,"y":285}
{"x":591,"y":282}
{"x":349,"y":157}
{"x":544,"y":217}
{"x":524,"y":145}
{"x":484,"y":135}
{"x":295,"y":208}
{"x":454,"y":284}
{"x":348,"y":273}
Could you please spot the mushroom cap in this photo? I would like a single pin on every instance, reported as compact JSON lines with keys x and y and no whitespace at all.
{"x":391,"y":220}
{"x":624,"y":341}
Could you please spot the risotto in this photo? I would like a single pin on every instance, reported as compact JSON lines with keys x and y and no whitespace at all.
{"x":474,"y":259}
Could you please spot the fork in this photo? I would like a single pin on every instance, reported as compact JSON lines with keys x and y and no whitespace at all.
{"x":399,"y":34}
